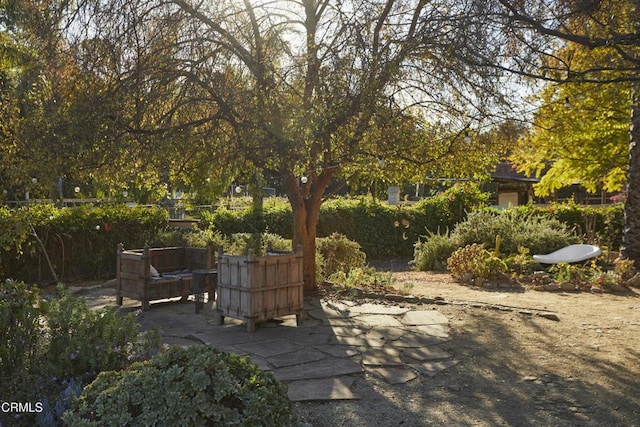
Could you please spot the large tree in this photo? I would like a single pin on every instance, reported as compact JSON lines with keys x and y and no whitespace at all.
{"x":72,"y":115}
{"x":311,"y":90}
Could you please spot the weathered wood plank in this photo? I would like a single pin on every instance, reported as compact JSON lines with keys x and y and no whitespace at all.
{"x":259,"y":288}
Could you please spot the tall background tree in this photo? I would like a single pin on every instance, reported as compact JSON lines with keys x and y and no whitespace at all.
{"x":53,"y":113}
{"x":579,"y":135}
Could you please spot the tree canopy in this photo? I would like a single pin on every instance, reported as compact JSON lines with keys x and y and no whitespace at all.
{"x":579,"y":136}
{"x":580,"y":132}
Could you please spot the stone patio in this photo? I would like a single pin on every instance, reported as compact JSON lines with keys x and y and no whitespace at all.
{"x":320,"y":359}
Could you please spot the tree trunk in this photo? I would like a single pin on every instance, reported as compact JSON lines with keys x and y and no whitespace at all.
{"x":304,"y":227}
{"x":631,"y":232}
{"x":257,"y":198}
{"x":306,"y":200}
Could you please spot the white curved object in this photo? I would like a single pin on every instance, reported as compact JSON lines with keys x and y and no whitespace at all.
{"x":571,"y":253}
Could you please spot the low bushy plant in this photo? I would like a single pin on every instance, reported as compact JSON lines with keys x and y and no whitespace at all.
{"x":339,"y":254}
{"x":604,"y":279}
{"x":474,"y":261}
{"x":361,"y":277}
{"x":590,"y":274}
{"x":573,"y":273}
{"x":432,"y":252}
{"x":240,"y":243}
{"x":21,"y":341}
{"x":195,"y":238}
{"x":624,"y":268}
{"x":522,"y":262}
{"x":537,"y":233}
{"x":192,"y":386}
{"x":82,"y":342}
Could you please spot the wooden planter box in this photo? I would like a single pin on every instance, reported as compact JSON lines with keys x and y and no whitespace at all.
{"x":255,"y":289}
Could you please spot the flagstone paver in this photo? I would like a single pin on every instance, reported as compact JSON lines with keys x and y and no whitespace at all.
{"x":338,"y":351}
{"x":414,"y":340}
{"x":340,"y":330}
{"x":380,"y":320}
{"x":433,"y":330}
{"x":304,"y":355}
{"x":269,"y":348}
{"x":325,"y":368}
{"x":370,"y":308}
{"x":357,"y":341}
{"x":424,"y":317}
{"x":340,"y":322}
{"x":382,"y":357}
{"x":385,"y":333}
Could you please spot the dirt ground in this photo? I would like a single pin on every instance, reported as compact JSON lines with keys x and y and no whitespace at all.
{"x":516,"y":368}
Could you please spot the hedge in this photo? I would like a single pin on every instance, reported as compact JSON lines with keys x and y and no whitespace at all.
{"x":382,"y":230}
{"x":80,"y":242}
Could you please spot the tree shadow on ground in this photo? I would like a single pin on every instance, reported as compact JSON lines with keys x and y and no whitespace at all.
{"x":504,"y":377}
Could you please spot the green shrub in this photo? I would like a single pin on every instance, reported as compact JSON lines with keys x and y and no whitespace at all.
{"x":83,"y":342}
{"x":320,"y":263}
{"x":367,"y":221}
{"x":624,"y":268}
{"x":228,"y":222}
{"x":50,"y":349}
{"x":192,"y":386}
{"x":21,"y":341}
{"x":81,"y":242}
{"x":474,"y":261}
{"x":600,"y":225}
{"x":381,"y":230}
{"x":448,"y":208}
{"x":240,"y":243}
{"x":522,"y":262}
{"x":339,"y":254}
{"x":537,"y":233}
{"x":196,"y":238}
{"x":433,"y":252}
{"x":277,"y":217}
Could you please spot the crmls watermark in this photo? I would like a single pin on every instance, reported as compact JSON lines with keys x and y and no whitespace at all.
{"x":21,"y":407}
